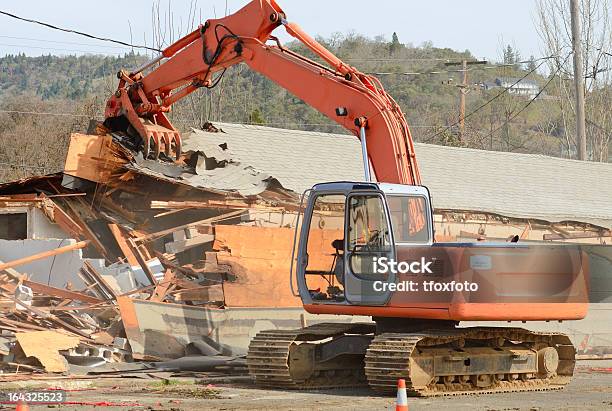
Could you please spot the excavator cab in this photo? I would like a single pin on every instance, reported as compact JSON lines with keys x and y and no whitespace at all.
{"x":346,"y":228}
{"x":368,"y":249}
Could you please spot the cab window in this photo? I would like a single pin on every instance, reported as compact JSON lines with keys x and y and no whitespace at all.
{"x":368,"y":234}
{"x":325,"y":269}
{"x":408,"y":218}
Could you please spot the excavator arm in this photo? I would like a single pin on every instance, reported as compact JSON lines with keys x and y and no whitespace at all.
{"x":353,"y":99}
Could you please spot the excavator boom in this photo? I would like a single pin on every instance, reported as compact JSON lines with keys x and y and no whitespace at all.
{"x":355,"y":100}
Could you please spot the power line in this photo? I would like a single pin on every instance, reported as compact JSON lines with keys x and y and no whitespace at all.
{"x":496,"y":66}
{"x":598,"y":126}
{"x":41,"y":113}
{"x":390,"y":59}
{"x":505,"y":90}
{"x":515,"y":115}
{"x":80,"y":33}
{"x":64,"y":42}
{"x":58,"y":49}
{"x":265,"y":124}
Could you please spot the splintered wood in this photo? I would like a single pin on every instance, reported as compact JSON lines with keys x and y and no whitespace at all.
{"x":45,"y":346}
{"x":91,"y":158}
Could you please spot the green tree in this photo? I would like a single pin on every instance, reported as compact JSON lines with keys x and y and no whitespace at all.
{"x":256,"y":117}
{"x":509,"y":55}
{"x":531,"y":65}
{"x":395,"y":44}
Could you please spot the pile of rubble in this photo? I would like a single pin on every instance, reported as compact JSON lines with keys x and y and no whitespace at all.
{"x":78,"y":248}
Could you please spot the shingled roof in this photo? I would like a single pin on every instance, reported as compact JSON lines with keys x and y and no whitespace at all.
{"x":513,"y":185}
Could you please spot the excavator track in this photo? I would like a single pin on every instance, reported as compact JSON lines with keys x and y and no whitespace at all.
{"x":430,"y":370}
{"x":274,"y":359}
{"x":457,"y":361}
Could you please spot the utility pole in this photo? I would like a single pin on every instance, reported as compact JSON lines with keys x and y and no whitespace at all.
{"x":578,"y":80}
{"x":463,"y":90}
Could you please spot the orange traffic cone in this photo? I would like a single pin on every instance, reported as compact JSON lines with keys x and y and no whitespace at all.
{"x":22,"y":406}
{"x":402,"y":398}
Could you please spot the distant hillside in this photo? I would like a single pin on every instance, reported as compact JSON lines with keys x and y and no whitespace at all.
{"x":80,"y":85}
{"x":53,"y":77}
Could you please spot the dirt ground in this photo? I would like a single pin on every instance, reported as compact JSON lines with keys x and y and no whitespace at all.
{"x":590,"y":390}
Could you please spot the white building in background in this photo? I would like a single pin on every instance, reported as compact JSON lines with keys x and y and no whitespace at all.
{"x":516,"y":86}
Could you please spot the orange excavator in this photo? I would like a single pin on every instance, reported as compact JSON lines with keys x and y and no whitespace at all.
{"x":367,"y":248}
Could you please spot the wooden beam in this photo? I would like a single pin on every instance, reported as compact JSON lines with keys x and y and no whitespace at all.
{"x":21,"y":324}
{"x":564,"y":233}
{"x":167,"y":213}
{"x":207,"y":294}
{"x":49,"y":316}
{"x":61,"y":293}
{"x":467,"y":234}
{"x":14,"y":274}
{"x":526,"y":231}
{"x":208,"y":221}
{"x":91,"y":272}
{"x":65,"y":222}
{"x":106,"y":202}
{"x":67,"y":195}
{"x":138,"y":290}
{"x":141,"y":261}
{"x":47,"y":289}
{"x":171,"y":205}
{"x":19,"y":200}
{"x":43,"y":255}
{"x":123,"y":245}
{"x":88,"y":233}
{"x":161,"y":289}
{"x":182,"y":245}
{"x":80,"y":308}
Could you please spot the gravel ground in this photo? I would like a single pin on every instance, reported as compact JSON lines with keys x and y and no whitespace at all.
{"x":589,"y":390}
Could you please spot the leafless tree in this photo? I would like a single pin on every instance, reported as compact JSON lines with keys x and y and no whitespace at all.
{"x":36,"y":144}
{"x":554,"y":26}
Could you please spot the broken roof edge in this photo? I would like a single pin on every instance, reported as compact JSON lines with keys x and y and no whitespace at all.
{"x":101,"y":158}
{"x":269,"y":184}
{"x":25,"y":182}
{"x":219,"y":125}
{"x":601,"y":223}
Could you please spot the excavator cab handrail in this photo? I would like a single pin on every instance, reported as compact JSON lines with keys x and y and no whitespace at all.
{"x":295,"y":236}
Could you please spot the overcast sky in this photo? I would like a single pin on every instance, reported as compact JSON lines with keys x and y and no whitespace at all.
{"x":481,"y":26}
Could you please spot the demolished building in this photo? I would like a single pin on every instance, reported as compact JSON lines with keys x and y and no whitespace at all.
{"x":475,"y":193}
{"x":140,"y":259}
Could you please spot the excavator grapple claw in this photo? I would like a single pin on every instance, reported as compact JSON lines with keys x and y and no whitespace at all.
{"x":160,"y":139}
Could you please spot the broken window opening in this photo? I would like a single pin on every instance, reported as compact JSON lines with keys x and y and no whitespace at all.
{"x":14,"y":226}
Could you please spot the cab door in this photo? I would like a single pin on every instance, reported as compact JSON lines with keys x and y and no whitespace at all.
{"x":368,"y":237}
